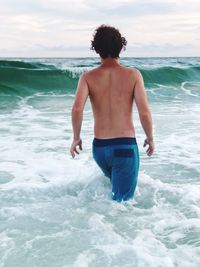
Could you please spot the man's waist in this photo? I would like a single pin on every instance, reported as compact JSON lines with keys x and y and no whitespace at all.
{"x":114,"y":141}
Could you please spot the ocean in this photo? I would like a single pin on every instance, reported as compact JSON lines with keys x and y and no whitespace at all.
{"x":57,"y":211}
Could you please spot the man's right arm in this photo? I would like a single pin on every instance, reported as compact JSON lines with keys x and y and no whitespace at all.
{"x":143,"y":110}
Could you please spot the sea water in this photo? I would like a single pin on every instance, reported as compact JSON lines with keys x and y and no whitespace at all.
{"x":57,"y":211}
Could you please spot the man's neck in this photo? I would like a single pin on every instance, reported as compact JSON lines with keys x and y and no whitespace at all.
{"x":110,"y":62}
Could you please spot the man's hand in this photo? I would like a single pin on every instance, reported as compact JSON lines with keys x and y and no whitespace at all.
{"x":73,"y":147}
{"x":150,"y":149}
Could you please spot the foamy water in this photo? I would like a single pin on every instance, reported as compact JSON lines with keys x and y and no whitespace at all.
{"x":57,"y":211}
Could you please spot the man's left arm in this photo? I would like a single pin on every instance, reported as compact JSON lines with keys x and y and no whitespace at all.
{"x":82,"y":93}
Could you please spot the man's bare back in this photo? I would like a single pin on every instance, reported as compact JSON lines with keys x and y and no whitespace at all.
{"x":111,"y":90}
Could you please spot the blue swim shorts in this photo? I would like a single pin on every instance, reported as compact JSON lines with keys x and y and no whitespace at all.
{"x":118,"y":158}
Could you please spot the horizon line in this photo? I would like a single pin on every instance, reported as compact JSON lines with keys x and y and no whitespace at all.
{"x":99,"y":57}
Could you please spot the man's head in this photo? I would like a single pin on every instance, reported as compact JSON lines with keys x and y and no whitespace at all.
{"x":107,"y":41}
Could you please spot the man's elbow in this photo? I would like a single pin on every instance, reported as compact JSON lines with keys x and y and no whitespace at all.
{"x":77,"y":109}
{"x":145,"y":114}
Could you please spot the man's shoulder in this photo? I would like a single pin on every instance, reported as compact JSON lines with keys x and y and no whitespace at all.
{"x":90,"y":73}
{"x":134,"y":71}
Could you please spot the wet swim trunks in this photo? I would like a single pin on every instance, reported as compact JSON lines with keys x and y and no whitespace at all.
{"x":118,"y":158}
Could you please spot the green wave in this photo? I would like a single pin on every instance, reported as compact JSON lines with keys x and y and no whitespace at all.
{"x":171,"y":75}
{"x":28,"y":78}
{"x":24,"y":78}
{"x":24,"y":65}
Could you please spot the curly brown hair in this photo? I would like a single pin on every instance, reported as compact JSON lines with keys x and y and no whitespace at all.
{"x":107,"y":41}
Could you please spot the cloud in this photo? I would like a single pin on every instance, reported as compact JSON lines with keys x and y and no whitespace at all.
{"x":133,"y":8}
{"x":57,"y":27}
{"x":162,"y":49}
{"x":59,"y":48}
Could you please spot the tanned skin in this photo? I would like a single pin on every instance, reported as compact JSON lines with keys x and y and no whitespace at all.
{"x":112,"y":89}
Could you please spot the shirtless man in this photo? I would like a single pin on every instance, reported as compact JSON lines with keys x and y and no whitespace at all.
{"x":112,"y":88}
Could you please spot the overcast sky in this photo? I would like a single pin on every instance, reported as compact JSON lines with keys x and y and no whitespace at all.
{"x":64,"y":28}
